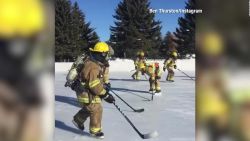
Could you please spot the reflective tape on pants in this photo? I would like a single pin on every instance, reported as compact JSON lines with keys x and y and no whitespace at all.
{"x":85,"y":100}
{"x":95,"y":130}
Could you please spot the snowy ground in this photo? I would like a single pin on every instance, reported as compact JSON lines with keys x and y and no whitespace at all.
{"x":172,"y":114}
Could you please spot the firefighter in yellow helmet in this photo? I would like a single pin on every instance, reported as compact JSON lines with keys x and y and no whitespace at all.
{"x":139,"y":65}
{"x":154,"y":72}
{"x":93,"y":91}
{"x":170,"y":65}
{"x":20,"y":91}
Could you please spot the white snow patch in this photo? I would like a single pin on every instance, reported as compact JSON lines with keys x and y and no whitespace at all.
{"x":126,"y":65}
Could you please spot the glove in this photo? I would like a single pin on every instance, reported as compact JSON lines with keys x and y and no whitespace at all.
{"x":164,"y":69}
{"x":106,"y":64}
{"x":77,"y":87}
{"x":175,"y":66}
{"x":108,"y":98}
{"x":157,"y":77}
{"x":107,"y":86}
{"x":66,"y":84}
{"x":74,"y":85}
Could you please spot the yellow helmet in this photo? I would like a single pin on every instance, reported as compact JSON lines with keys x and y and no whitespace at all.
{"x":100,"y":47}
{"x":19,"y":19}
{"x":142,"y":53}
{"x":213,"y":43}
{"x":174,"y":54}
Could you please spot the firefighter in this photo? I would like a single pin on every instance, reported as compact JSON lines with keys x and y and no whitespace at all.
{"x":139,"y":65}
{"x":22,"y":99}
{"x":170,"y":65}
{"x":154,"y":72}
{"x":92,"y":90}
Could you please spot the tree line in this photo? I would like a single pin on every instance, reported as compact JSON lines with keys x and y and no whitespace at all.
{"x":135,"y":29}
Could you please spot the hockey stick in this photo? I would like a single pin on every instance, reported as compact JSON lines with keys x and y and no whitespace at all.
{"x":135,"y":110}
{"x":133,"y":70}
{"x":144,"y":136}
{"x":153,"y":93}
{"x":185,"y":74}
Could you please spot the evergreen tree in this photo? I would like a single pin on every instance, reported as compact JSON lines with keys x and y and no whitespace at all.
{"x":82,"y":36}
{"x":73,"y":34}
{"x":89,"y":36}
{"x":77,"y":25}
{"x":186,"y":32}
{"x":62,"y":29}
{"x":135,"y":29}
{"x":168,"y":44}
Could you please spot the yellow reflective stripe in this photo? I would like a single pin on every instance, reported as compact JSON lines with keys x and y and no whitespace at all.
{"x":96,"y":100}
{"x":94,"y":83}
{"x":83,"y":99}
{"x":86,"y":100}
{"x":103,"y":92}
{"x":95,"y":130}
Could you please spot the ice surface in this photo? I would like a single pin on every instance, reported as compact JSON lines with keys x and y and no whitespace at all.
{"x":172,"y":114}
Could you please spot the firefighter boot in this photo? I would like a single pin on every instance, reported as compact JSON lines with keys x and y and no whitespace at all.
{"x":80,"y":118}
{"x":99,"y":135}
{"x":158,"y":91}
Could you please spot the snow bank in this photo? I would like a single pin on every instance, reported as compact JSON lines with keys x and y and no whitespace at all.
{"x":126,"y":65}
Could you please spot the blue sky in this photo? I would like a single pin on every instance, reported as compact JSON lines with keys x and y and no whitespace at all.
{"x":99,"y":14}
